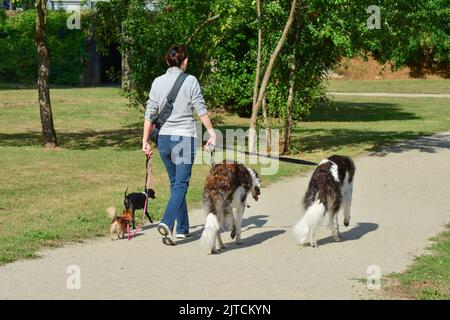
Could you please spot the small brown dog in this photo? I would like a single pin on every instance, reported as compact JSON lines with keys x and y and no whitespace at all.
{"x":119,"y":223}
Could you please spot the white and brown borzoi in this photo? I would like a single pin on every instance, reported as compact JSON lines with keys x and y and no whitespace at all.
{"x":331,"y":186}
{"x":224,"y":200}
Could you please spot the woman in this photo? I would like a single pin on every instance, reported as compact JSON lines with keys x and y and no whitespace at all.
{"x":177,"y":138}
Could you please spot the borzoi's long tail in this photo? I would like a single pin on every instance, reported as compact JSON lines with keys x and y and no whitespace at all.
{"x":312,"y":219}
{"x":209,"y":232}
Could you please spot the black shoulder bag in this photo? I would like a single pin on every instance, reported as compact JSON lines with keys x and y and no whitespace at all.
{"x":161,"y":118}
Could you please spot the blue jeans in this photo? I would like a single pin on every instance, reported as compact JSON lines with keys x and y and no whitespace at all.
{"x":177,"y":153}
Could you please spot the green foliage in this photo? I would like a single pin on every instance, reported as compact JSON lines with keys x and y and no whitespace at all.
{"x":215,"y":50}
{"x":322,"y":32}
{"x":18,"y":48}
{"x":3,"y":17}
{"x":24,"y":4}
{"x":414,"y":33}
{"x":223,"y":52}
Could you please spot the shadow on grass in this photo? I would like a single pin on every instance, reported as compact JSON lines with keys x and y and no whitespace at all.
{"x":427,"y":144}
{"x":126,"y":139}
{"x":303,"y":139}
{"x":330,"y":139}
{"x":33,"y":86}
{"x":340,"y":111}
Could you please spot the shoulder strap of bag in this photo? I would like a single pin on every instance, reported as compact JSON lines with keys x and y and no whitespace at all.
{"x":168,"y":107}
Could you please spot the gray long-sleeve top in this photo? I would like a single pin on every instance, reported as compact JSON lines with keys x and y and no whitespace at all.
{"x":181,"y":121}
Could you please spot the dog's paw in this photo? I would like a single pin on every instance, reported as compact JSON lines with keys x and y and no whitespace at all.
{"x":346,"y":223}
{"x":233,"y":234}
{"x":337,"y":238}
{"x":314,"y":245}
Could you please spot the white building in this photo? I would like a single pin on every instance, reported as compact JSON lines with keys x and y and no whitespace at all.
{"x":86,"y":4}
{"x":66,"y":4}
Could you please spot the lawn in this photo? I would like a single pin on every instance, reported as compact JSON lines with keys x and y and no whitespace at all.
{"x":429,"y":276}
{"x":390,"y":86}
{"x":48,"y":197}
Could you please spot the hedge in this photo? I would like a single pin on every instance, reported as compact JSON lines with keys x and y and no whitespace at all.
{"x":18,"y":48}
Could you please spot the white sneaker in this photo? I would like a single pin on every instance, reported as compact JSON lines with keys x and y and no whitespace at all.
{"x":163,"y":229}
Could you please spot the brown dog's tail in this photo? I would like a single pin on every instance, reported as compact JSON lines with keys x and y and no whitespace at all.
{"x":112,"y":213}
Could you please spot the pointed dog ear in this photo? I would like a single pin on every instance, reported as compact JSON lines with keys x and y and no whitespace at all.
{"x":125,"y":195}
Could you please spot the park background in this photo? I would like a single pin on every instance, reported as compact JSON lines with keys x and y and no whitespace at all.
{"x":301,"y":52}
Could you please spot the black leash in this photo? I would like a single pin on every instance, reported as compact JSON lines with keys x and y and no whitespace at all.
{"x":285,"y":159}
{"x":211,"y":150}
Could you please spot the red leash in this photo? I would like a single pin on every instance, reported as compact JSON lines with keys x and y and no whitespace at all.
{"x":148,"y":183}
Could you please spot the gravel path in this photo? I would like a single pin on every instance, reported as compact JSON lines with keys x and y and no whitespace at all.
{"x":401,"y":198}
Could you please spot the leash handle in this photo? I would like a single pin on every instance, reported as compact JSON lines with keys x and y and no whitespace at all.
{"x":212,"y":151}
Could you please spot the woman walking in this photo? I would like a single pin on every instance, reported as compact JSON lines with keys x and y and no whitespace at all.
{"x":177,"y":138}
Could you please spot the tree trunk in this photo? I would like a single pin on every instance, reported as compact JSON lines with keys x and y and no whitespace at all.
{"x":126,"y":82}
{"x":201,"y":26}
{"x":252,"y":130}
{"x":288,"y":122}
{"x":265,"y":81}
{"x":10,"y":5}
{"x":267,"y":126}
{"x":45,"y":107}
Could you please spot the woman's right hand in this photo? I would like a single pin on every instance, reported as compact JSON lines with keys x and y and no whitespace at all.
{"x":147,"y":149}
{"x":211,"y":142}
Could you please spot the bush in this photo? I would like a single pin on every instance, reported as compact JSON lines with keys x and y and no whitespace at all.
{"x":18,"y":49}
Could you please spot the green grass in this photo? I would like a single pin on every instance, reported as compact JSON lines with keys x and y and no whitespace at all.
{"x":429,"y":276}
{"x":48,"y":197}
{"x":390,"y":86}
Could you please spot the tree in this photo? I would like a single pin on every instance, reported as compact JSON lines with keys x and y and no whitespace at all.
{"x":45,"y":107}
{"x":262,"y":90}
{"x":415,"y":34}
{"x":293,"y":46}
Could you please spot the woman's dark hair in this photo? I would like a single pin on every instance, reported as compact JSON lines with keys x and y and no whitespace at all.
{"x":176,"y":55}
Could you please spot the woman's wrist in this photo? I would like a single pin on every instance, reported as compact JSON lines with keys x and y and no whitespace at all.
{"x":212,"y":133}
